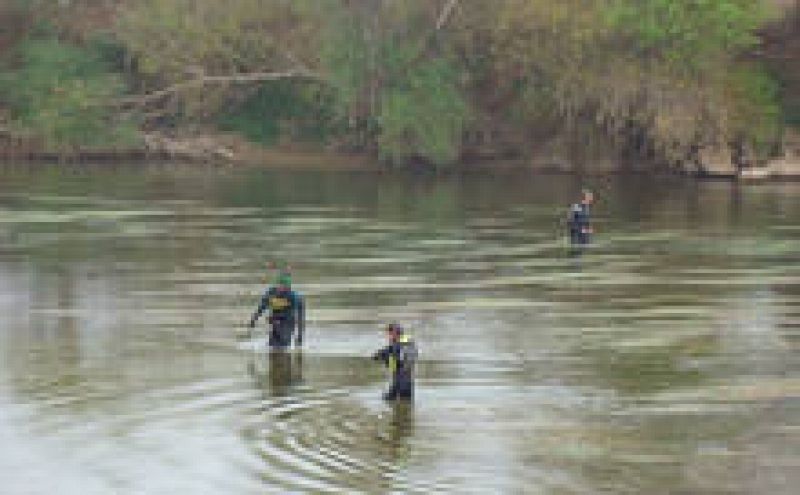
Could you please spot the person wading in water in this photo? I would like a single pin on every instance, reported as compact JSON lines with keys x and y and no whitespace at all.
{"x":400,"y":357}
{"x":579,"y":220}
{"x":286,"y":312}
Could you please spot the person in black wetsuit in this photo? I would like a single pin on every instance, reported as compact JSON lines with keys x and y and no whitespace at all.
{"x":579,"y":220}
{"x":286,"y":312}
{"x":400,"y":357}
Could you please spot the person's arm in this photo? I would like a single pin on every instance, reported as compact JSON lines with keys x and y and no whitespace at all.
{"x":413,"y":353}
{"x":407,"y":355}
{"x":262,"y":306}
{"x":383,"y":354}
{"x":301,"y":319}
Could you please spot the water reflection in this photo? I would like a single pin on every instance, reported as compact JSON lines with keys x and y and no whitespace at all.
{"x":285,"y":371}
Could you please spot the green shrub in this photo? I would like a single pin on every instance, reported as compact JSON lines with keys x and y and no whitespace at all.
{"x":304,"y":111}
{"x":61,"y":94}
{"x":423,"y":115}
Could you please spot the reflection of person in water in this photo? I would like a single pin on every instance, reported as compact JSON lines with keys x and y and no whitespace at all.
{"x":402,"y":421}
{"x":284,"y":372}
{"x":396,"y":430}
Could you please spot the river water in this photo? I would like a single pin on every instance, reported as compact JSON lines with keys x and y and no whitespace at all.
{"x":661,"y":360}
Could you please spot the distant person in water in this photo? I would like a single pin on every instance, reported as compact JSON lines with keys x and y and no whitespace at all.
{"x":400,"y":356}
{"x":286,"y":312}
{"x":579,"y":220}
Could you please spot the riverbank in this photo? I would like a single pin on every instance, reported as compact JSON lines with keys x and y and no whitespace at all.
{"x":220,"y":149}
{"x":784,"y":166}
{"x":232,"y":150}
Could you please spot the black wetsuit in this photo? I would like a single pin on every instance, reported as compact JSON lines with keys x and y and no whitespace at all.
{"x":400,"y":357}
{"x":579,"y":224}
{"x":286,"y":312}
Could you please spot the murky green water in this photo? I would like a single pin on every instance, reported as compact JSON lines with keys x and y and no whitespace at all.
{"x":663,"y":360}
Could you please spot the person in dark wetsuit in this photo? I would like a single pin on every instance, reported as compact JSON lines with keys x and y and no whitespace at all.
{"x":579,"y":221}
{"x":286,"y":311}
{"x":400,"y":357}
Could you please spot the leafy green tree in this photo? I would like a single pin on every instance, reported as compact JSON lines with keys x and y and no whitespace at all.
{"x":661,"y":67}
{"x":423,"y":115}
{"x":60,"y":94}
{"x":689,"y":33}
{"x":300,"y":112}
{"x":402,"y":79}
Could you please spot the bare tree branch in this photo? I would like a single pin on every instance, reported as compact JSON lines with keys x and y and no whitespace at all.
{"x":444,"y":16}
{"x":204,"y":80}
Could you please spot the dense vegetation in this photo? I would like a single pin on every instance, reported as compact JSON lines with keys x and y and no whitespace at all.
{"x":426,"y":80}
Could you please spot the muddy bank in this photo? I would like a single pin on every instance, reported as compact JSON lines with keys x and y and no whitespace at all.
{"x":554,"y":156}
{"x":216,"y":149}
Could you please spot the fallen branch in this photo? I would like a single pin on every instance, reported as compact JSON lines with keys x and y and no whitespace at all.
{"x":444,"y":16}
{"x":204,"y":80}
{"x":201,"y":148}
